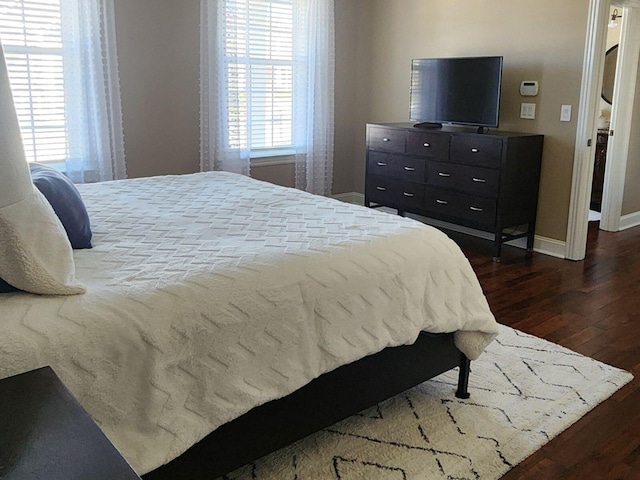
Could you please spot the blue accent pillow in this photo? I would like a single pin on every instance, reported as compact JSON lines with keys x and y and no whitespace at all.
{"x":6,"y":288}
{"x":66,"y":201}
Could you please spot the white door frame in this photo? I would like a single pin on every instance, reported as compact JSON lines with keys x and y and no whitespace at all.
{"x":592,"y":71}
{"x":621,"y":117}
{"x":586,"y":129}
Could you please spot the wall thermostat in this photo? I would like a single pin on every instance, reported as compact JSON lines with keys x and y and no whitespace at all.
{"x":529,"y":88}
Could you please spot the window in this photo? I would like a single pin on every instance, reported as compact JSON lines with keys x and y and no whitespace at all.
{"x":267,"y":86}
{"x":31,"y":32}
{"x":258,"y":50}
{"x":62,"y":61}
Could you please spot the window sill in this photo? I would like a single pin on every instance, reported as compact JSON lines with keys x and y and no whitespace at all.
{"x":272,"y":152}
{"x":266,"y":158}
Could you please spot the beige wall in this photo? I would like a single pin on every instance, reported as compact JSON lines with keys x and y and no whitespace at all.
{"x":353,"y":76}
{"x":540,"y":40}
{"x":159,"y":54}
{"x":158,"y":42}
{"x":631,"y":197}
{"x":158,"y":49}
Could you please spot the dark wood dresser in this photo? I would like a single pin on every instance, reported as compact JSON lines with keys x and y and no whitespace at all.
{"x":486,"y":181}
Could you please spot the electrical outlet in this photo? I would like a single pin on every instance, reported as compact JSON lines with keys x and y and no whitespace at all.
{"x":565,"y":113}
{"x":528,"y":110}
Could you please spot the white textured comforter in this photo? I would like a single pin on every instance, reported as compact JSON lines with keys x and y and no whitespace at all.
{"x":211,"y":293}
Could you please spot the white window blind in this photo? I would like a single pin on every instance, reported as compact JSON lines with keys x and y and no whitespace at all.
{"x":31,"y":32}
{"x":259,"y":57}
{"x":266,"y":86}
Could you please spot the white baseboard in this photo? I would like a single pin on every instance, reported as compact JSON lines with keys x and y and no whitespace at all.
{"x":544,"y":245}
{"x":630,"y":220}
{"x":550,"y":246}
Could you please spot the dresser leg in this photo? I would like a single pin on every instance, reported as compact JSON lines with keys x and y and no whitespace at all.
{"x":530,"y":238}
{"x":497,"y":246}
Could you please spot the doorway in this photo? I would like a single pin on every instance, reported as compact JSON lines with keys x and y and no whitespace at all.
{"x":586,"y":135}
{"x":603,"y":121}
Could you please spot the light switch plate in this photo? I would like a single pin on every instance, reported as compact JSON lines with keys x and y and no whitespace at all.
{"x":565,"y":113}
{"x":528,"y":110}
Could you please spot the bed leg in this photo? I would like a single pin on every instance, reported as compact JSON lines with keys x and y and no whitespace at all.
{"x":463,"y":377}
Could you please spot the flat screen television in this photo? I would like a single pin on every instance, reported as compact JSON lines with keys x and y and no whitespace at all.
{"x":459,"y":90}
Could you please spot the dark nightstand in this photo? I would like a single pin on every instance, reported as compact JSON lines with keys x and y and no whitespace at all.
{"x":46,"y":434}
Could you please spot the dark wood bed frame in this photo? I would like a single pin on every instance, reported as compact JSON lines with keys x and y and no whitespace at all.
{"x":326,"y":400}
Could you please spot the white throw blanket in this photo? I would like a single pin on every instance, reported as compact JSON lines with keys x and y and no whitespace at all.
{"x":209,"y":294}
{"x":35,"y":254}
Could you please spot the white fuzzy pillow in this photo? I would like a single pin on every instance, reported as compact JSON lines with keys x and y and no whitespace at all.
{"x":35,"y":253}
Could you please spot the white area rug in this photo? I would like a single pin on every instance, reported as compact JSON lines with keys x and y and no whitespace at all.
{"x":524,"y":392}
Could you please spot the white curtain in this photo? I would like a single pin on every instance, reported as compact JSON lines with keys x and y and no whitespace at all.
{"x":92,"y":92}
{"x":217,"y":150}
{"x":313,"y":124}
{"x":228,"y":147}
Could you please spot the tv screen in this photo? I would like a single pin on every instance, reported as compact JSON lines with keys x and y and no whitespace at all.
{"x":463,"y":90}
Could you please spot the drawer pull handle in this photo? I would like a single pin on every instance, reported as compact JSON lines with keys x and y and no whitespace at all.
{"x":408,"y":194}
{"x":474,"y":150}
{"x":382,"y":164}
{"x":382,"y":189}
{"x":442,"y":174}
{"x":386,"y":140}
{"x":476,"y":209}
{"x":427,"y":145}
{"x":442,"y":202}
{"x":479,"y":180}
{"x":410,"y":169}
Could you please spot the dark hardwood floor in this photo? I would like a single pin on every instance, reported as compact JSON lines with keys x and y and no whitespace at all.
{"x":591,"y":307}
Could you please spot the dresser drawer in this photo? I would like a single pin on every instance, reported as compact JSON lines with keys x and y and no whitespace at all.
{"x":465,"y":178}
{"x":403,"y":167}
{"x":432,"y":145}
{"x":388,"y":139}
{"x":394,"y":193}
{"x":476,"y":150}
{"x":478,"y":210}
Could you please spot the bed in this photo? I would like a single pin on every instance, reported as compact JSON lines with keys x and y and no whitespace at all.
{"x":219,"y":308}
